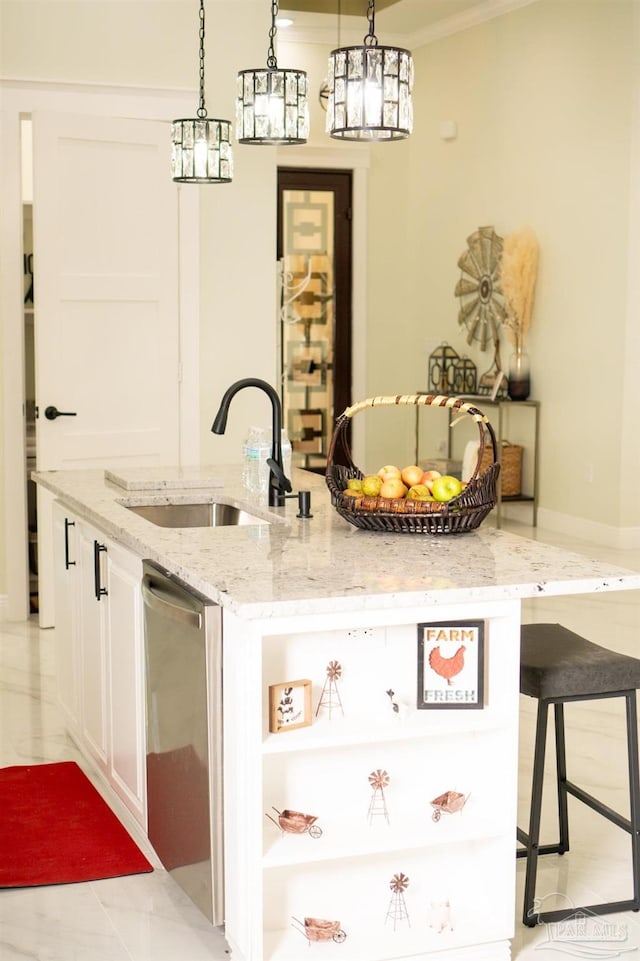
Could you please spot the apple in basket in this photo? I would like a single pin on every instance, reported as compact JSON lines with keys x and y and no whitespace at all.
{"x":428,"y":478}
{"x":389,"y":471}
{"x":393,"y":487}
{"x":446,"y":487}
{"x":412,"y":475}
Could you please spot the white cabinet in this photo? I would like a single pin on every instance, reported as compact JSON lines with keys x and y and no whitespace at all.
{"x":126,"y":719}
{"x":94,"y":626}
{"x":369,"y":777}
{"x":66,"y":579}
{"x":100,"y":653}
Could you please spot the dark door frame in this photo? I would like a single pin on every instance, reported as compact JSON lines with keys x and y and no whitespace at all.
{"x":341,"y":183}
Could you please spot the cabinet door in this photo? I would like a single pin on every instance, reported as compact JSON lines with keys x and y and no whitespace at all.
{"x":93,"y":637}
{"x":66,"y":580}
{"x":126,"y":679}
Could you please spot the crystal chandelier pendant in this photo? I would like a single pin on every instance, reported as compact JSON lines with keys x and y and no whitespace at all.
{"x":272,"y":105}
{"x":201,"y":151}
{"x":370,"y":90}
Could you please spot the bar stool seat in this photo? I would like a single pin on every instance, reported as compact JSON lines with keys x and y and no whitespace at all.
{"x":558,"y":666}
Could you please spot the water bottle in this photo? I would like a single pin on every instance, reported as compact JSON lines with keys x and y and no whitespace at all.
{"x":253,"y":451}
{"x":286,"y":453}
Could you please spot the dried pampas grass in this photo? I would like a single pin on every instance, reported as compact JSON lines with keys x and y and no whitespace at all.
{"x":518,"y":271}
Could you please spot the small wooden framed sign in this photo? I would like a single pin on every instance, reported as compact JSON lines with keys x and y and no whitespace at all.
{"x":289,"y":705}
{"x":451,"y":665}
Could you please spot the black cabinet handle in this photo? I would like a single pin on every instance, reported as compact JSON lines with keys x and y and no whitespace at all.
{"x":97,"y":550}
{"x":52,"y":412}
{"x":67,"y":525}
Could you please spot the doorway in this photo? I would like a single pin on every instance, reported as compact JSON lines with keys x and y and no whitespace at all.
{"x":18,"y":319}
{"x":314,"y":250}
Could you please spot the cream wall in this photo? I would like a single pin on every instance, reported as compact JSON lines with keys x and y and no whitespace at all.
{"x":543,"y":98}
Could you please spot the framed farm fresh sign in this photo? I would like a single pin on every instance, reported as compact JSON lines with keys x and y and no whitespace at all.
{"x":451,"y":665}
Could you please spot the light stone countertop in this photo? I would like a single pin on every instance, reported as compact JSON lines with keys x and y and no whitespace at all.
{"x":322,"y":565}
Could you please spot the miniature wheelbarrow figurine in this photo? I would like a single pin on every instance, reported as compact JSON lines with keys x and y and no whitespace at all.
{"x":317,"y":929}
{"x":294,"y":822}
{"x":449,"y":803}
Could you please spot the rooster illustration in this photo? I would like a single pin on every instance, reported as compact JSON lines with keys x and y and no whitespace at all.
{"x":447,"y":667}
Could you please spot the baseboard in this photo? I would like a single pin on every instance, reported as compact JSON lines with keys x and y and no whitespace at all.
{"x":4,"y":606}
{"x":622,"y":538}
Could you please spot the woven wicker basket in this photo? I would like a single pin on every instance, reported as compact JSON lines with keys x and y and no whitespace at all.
{"x":510,"y":467}
{"x":462,"y":513}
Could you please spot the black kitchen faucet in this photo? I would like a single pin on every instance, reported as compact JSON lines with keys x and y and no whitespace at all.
{"x":279,"y":483}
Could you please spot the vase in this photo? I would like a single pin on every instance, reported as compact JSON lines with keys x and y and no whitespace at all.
{"x":519,"y":386}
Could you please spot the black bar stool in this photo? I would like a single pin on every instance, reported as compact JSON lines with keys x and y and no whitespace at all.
{"x":558,"y":666}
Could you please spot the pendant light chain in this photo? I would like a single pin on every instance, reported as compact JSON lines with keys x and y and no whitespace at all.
{"x":272,"y":104}
{"x":272,"y":62}
{"x":201,"y":150}
{"x":202,"y":111}
{"x":371,"y":40}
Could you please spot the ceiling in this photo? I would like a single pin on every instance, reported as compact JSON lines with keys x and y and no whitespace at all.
{"x":355,"y":8}
{"x":410,"y":23}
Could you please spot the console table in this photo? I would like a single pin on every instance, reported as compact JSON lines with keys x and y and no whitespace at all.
{"x":503,"y":408}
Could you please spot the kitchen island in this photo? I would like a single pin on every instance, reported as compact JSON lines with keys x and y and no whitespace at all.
{"x":315,"y":606}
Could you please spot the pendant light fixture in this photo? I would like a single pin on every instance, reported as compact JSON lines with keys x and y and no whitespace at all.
{"x":201,"y":150}
{"x":272,"y":105}
{"x":370,"y":90}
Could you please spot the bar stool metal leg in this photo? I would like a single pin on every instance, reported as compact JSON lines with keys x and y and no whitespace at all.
{"x":634,"y":793}
{"x":533,"y":837}
{"x":561,"y":778}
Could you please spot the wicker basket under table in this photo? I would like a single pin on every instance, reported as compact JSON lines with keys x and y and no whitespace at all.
{"x":459,"y":515}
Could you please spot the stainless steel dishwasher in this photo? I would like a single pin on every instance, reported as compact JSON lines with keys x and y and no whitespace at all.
{"x":183,"y":650}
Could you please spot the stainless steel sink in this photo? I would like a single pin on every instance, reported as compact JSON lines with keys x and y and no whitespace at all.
{"x":209,"y":514}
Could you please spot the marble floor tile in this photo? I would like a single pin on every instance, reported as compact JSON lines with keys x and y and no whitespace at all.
{"x":148,"y":917}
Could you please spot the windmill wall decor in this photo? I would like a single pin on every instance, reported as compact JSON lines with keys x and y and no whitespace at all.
{"x":480,"y":295}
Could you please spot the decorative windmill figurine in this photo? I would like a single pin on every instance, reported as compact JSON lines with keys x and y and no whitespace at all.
{"x":330,"y":697}
{"x":378,"y":780}
{"x":397,"y":910}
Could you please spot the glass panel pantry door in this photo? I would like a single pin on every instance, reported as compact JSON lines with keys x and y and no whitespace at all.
{"x":314,"y":255}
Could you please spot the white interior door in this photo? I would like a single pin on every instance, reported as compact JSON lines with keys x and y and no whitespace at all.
{"x":105,"y":220}
{"x":106,"y":319}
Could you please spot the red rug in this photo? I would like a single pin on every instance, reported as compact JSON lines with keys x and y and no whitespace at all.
{"x":56,"y":829}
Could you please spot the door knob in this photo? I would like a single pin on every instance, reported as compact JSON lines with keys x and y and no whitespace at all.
{"x":52,"y":412}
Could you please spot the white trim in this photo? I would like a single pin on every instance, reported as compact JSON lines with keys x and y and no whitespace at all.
{"x":16,"y":564}
{"x":334,"y":157}
{"x":23,"y":97}
{"x":188,"y":242}
{"x":356,"y":159}
{"x":606,"y":535}
{"x":164,"y":101}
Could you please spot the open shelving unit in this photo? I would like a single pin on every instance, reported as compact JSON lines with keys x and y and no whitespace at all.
{"x":460,"y":868}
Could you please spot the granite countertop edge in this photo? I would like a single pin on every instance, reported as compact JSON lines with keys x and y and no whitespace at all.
{"x":323,"y":565}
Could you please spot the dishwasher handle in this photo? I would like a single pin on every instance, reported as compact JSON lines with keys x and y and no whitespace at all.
{"x":167,"y":604}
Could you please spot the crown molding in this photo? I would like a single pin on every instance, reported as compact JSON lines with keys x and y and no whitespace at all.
{"x":323,"y":29}
{"x":463,"y":21}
